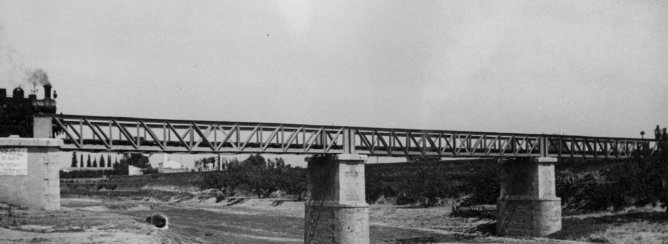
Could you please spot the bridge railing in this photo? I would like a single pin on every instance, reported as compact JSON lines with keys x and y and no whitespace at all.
{"x":122,"y":134}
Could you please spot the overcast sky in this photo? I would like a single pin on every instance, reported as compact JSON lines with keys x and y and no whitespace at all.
{"x":595,"y":68}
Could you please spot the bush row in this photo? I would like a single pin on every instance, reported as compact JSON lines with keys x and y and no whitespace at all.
{"x":583,"y":186}
{"x":426,"y":183}
{"x":260,"y":181}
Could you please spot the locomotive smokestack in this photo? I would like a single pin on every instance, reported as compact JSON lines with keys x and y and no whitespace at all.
{"x":47,"y":92}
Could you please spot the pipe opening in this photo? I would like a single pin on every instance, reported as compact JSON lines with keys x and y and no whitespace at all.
{"x":158,"y":220}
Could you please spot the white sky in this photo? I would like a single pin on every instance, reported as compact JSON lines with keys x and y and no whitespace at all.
{"x":596,"y":68}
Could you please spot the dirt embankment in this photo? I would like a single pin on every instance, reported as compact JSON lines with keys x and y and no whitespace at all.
{"x":209,"y":217}
{"x":203,"y":218}
{"x":70,"y":226}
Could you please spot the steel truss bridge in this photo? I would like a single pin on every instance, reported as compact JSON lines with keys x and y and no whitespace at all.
{"x":122,"y":134}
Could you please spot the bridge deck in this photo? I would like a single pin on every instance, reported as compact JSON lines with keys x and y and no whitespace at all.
{"x":119,"y":134}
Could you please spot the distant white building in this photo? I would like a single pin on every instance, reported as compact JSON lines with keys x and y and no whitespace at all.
{"x":170,"y":166}
{"x":132,"y":170}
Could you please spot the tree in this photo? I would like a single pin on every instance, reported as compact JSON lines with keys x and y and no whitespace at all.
{"x":88,"y":163}
{"x":202,"y":164}
{"x":74,"y":160}
{"x":271,"y":164}
{"x":81,"y":161}
{"x":109,"y":164}
{"x":660,"y":171}
{"x":224,"y":163}
{"x":95,"y":163}
{"x":657,"y":133}
{"x":280,"y":163}
{"x":255,"y":161}
{"x":233,"y":164}
{"x":639,"y":181}
{"x":102,"y":163}
{"x":135,"y":159}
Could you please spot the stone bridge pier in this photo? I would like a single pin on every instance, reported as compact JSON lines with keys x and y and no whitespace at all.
{"x":29,"y":170}
{"x":528,"y":204}
{"x":336,"y":208}
{"x":29,"y":173}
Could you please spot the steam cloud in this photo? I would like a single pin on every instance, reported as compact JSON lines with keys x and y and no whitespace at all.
{"x":39,"y":76}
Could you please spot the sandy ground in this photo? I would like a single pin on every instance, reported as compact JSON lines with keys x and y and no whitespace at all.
{"x":70,"y":226}
{"x":122,"y":220}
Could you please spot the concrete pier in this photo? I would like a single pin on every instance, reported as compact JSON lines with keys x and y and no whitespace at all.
{"x":29,"y":173}
{"x":528,"y":204}
{"x":336,"y":208}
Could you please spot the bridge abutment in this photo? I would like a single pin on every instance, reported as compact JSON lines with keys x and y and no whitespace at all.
{"x":29,"y":173}
{"x":336,"y":208}
{"x":528,"y":204}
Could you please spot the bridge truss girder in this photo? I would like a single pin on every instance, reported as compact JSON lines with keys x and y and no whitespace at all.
{"x":121,"y":134}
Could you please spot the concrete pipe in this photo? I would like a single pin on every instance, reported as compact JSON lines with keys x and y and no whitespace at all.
{"x":159,"y":220}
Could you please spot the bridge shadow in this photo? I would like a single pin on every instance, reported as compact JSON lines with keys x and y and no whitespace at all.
{"x":235,"y":201}
{"x":277,"y":203}
{"x":455,"y":238}
{"x":486,"y":229}
{"x":574,"y":228}
{"x":386,"y":234}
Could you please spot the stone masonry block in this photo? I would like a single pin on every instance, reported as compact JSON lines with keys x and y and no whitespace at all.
{"x":528,"y":205}
{"x":40,"y":187}
{"x":336,"y":209}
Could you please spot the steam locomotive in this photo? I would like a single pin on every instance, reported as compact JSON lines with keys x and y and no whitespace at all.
{"x":17,"y":112}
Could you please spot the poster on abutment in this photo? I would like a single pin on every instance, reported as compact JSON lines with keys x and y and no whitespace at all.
{"x":13,"y":161}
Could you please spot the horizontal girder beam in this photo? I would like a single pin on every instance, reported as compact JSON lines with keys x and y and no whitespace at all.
{"x":123,"y":134}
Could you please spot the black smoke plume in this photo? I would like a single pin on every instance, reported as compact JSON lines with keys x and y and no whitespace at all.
{"x":39,"y":76}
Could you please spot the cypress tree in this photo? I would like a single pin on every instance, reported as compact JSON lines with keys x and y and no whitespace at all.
{"x":74,"y":160}
{"x":102,"y":164}
{"x":81,"y":161}
{"x":88,"y":163}
{"x":95,"y":163}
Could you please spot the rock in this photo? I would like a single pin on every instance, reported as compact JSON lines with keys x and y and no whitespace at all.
{"x":211,"y":200}
{"x":209,"y":193}
{"x":210,"y":196}
{"x":36,"y":228}
{"x":382,"y":200}
{"x":277,"y":194}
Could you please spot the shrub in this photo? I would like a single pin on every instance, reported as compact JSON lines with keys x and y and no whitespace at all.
{"x":426,"y":183}
{"x":473,"y":212}
{"x":260,"y":181}
{"x":85,"y":174}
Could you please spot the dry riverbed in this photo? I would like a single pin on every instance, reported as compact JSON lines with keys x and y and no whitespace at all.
{"x":120,"y":219}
